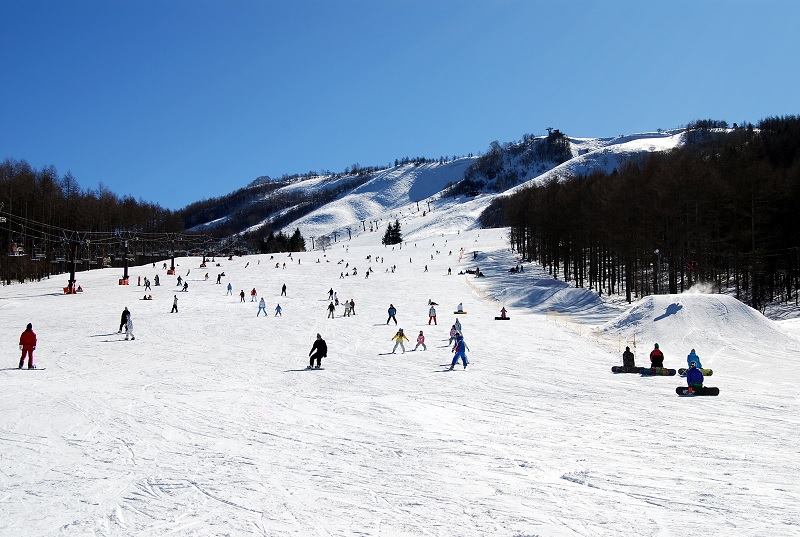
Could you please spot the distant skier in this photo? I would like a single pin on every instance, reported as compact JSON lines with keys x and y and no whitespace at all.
{"x":230,"y":290}
{"x":123,"y":319}
{"x":392,"y":312}
{"x":693,"y":358}
{"x":241,"y":296}
{"x":331,"y":309}
{"x":253,"y":295}
{"x":398,"y":339}
{"x":330,"y":294}
{"x":129,"y":329}
{"x":656,"y":357}
{"x":318,"y":351}
{"x":694,"y":377}
{"x":283,"y":290}
{"x":453,"y":334}
{"x":262,"y":306}
{"x":627,"y":358}
{"x":432,"y":315}
{"x":421,"y":341}
{"x":278,"y":310}
{"x":353,"y":307}
{"x":27,"y":344}
{"x":457,"y":324}
{"x":459,"y":349}
{"x":174,"y":304}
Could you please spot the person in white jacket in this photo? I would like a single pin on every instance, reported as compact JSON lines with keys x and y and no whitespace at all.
{"x":432,"y":315}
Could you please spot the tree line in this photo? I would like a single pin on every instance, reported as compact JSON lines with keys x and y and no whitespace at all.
{"x":721,"y":209}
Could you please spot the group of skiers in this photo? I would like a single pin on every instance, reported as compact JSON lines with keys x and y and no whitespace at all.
{"x":694,"y":375}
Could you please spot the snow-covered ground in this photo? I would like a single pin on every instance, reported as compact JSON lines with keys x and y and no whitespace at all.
{"x":208,"y":424}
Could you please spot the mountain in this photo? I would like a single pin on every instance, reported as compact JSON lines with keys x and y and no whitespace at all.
{"x":324,"y":204}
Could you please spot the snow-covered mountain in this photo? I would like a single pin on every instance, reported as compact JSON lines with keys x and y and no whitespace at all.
{"x":406,"y":187}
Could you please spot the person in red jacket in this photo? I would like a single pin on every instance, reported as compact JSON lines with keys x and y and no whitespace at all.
{"x":656,"y":357}
{"x":27,"y":344}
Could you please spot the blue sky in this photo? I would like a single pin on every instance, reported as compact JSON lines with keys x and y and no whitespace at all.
{"x":174,"y":101}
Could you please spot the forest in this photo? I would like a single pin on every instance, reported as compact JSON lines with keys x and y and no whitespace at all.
{"x":720,"y":209}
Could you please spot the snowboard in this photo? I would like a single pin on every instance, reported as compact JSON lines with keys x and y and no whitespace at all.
{"x":623,"y":369}
{"x":706,"y":372}
{"x":460,"y":312}
{"x":705,"y":390}
{"x":502,"y":318}
{"x":657,"y":371}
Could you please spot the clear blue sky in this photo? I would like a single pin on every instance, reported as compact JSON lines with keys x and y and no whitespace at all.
{"x":174,"y":101}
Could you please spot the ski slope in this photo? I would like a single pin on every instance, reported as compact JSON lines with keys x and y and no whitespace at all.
{"x":208,"y":424}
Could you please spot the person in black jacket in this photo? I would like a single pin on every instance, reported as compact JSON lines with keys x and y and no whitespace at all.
{"x":627,"y":358}
{"x":318,"y":351}
{"x":124,"y":319}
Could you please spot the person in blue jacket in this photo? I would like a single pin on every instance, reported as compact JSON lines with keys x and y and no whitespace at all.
{"x":693,"y":358}
{"x":694,"y":377}
{"x":459,"y":349}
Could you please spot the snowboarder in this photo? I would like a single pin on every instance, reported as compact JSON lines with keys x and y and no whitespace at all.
{"x":129,"y":329}
{"x":392,"y":311}
{"x":331,"y":309}
{"x":262,"y":306}
{"x":460,"y":308}
{"x":503,"y":312}
{"x":398,"y":339}
{"x":123,"y":319}
{"x":459,"y":349}
{"x":432,"y":315}
{"x":185,"y":287}
{"x":627,"y":358}
{"x":694,"y":377}
{"x":656,"y":357}
{"x":694,"y":359}
{"x":27,"y":344}
{"x":278,"y":310}
{"x":421,"y":341}
{"x":318,"y":351}
{"x":174,"y":304}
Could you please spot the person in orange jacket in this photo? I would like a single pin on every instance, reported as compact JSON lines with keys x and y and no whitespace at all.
{"x":27,"y":344}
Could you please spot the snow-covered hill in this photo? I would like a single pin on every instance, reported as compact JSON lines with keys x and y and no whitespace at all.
{"x":208,"y":424}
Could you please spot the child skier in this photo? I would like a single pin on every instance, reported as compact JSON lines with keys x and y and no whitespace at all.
{"x":398,"y":339}
{"x":421,"y":341}
{"x":459,"y":349}
{"x":262,"y":306}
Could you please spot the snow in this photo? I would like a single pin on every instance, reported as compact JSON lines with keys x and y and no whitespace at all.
{"x":208,"y":424}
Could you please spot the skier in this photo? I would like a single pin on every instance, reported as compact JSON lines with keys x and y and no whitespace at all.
{"x":174,"y":304}
{"x":219,"y":279}
{"x":392,"y":311}
{"x":432,"y":315}
{"x":656,"y":357}
{"x":129,"y":329}
{"x":27,"y":344}
{"x":694,"y":377}
{"x":253,"y":295}
{"x":352,"y":307}
{"x":457,"y":324}
{"x":346,"y":309}
{"x":123,"y":319}
{"x":318,"y":351}
{"x":146,"y":284}
{"x":185,"y":287}
{"x":398,"y":339}
{"x":180,"y":280}
{"x":331,"y":309}
{"x":230,"y":290}
{"x":330,"y":294}
{"x":459,"y":349}
{"x":421,"y":341}
{"x":627,"y":358}
{"x":241,"y":296}
{"x":262,"y":306}
{"x":694,"y":359}
{"x":278,"y":310}
{"x":453,"y":334}
{"x":283,"y":290}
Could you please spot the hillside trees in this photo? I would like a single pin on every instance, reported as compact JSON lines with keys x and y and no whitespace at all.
{"x":721,"y":209}
{"x":393,"y":234}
